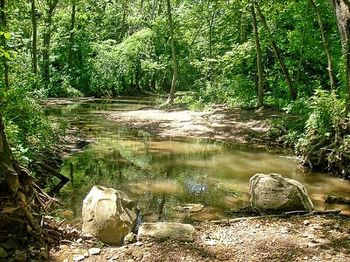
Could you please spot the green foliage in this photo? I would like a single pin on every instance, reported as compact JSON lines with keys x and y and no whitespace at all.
{"x":325,"y":143}
{"x":28,"y":129}
{"x":122,"y":68}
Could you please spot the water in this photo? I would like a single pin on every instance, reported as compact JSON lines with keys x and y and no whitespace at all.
{"x":164,"y":175}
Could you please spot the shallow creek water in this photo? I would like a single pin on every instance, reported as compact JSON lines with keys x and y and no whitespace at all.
{"x":164,"y":174}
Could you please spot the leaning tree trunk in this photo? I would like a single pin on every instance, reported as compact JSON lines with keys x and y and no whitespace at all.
{"x":3,"y":23}
{"x":16,"y":219}
{"x":259,"y":63}
{"x":71,"y":35}
{"x":34,"y":41}
{"x":173,"y":52}
{"x":342,"y":12}
{"x":325,"y":45}
{"x":293,"y":91}
{"x":51,"y":5}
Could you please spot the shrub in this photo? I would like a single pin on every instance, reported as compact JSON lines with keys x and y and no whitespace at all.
{"x":325,"y":145}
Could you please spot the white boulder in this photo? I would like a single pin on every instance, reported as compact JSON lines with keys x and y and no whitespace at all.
{"x":275,"y":193}
{"x":108,"y":214}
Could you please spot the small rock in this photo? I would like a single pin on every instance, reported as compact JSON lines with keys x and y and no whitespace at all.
{"x":284,"y":231}
{"x":310,"y":244}
{"x":257,"y":225}
{"x":130,"y":238}
{"x":306,"y":222}
{"x":3,"y":252}
{"x":192,"y":208}
{"x":138,"y":243}
{"x":328,"y":256}
{"x":163,"y":230}
{"x":86,"y":254}
{"x":317,"y":227}
{"x":137,"y":254}
{"x":149,"y":244}
{"x":94,"y":251}
{"x":77,"y":258}
{"x":211,"y":242}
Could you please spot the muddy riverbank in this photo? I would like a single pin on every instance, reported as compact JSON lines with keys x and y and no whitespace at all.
{"x":219,"y":123}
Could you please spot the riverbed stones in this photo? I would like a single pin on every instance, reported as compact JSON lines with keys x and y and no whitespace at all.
{"x":108,"y":214}
{"x":166,"y":230}
{"x":275,"y":193}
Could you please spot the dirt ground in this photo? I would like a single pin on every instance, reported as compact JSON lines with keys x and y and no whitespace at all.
{"x":219,"y":123}
{"x":316,"y":238}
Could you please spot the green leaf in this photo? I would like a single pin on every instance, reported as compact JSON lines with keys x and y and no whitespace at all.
{"x":7,"y":35}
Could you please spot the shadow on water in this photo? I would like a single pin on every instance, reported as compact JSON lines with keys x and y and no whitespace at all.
{"x":165,"y":174}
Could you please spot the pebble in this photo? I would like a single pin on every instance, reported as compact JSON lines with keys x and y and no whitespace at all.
{"x":77,"y":258}
{"x":137,"y":254}
{"x":211,"y":242}
{"x":257,"y":225}
{"x":284,"y":230}
{"x":138,"y":243}
{"x":94,"y":251}
{"x":306,"y":222}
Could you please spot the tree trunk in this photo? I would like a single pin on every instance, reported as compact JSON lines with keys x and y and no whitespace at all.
{"x":3,"y":43}
{"x":16,"y":218}
{"x":259,"y":63}
{"x":34,"y":41}
{"x":325,"y":45}
{"x":51,"y":5}
{"x":71,"y":35}
{"x":173,"y":52}
{"x":243,"y":28}
{"x":342,"y":12}
{"x":293,"y":91}
{"x":302,"y":46}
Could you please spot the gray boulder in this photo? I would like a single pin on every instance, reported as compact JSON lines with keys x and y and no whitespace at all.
{"x":108,"y":214}
{"x":275,"y":193}
{"x":164,"y":230}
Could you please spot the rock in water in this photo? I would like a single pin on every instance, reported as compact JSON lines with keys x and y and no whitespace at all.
{"x":108,"y":214}
{"x":163,"y":230}
{"x":275,"y":193}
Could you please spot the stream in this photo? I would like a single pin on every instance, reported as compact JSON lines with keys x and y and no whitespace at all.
{"x":165,"y":175}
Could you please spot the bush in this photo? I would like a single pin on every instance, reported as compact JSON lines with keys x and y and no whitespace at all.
{"x":28,"y":128}
{"x":325,"y":145}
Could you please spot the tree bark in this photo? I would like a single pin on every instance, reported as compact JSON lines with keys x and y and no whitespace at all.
{"x":51,"y":5}
{"x":34,"y":41}
{"x":173,"y":52}
{"x":293,"y":91}
{"x":342,"y":12}
{"x":71,"y":34}
{"x":325,"y":45}
{"x":3,"y":22}
{"x":259,"y":63}
{"x":302,"y":46}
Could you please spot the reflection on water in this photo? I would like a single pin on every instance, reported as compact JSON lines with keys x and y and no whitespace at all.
{"x":165,"y":174}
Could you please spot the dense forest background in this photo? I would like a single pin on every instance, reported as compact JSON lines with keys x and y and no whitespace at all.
{"x":292,"y":56}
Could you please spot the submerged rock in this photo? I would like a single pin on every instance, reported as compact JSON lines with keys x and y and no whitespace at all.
{"x":108,"y":214}
{"x":163,"y":230}
{"x":275,"y":193}
{"x":191,"y":208}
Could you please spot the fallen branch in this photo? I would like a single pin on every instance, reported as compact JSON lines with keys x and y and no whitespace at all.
{"x":283,"y":215}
